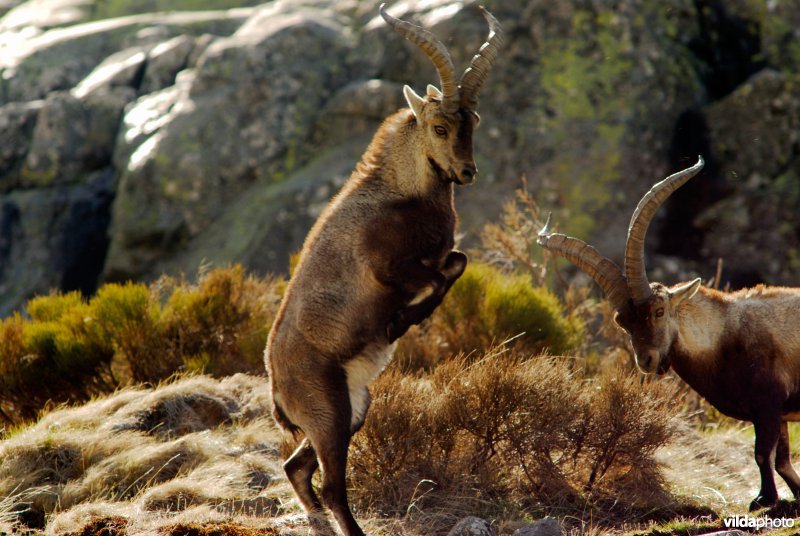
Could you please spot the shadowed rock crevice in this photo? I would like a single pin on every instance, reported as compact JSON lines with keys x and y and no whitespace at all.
{"x":729,"y":45}
{"x":677,"y":235}
{"x":84,"y":247}
{"x":9,"y":222}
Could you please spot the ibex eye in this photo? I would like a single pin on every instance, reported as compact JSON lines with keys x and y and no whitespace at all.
{"x":659,"y":313}
{"x":440,"y":131}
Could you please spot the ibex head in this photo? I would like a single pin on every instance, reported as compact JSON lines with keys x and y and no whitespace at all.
{"x":447,"y":117}
{"x":645,"y":310}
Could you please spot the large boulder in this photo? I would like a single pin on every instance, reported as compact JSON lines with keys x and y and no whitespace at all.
{"x":73,"y":137}
{"x":752,"y":224}
{"x":240,"y":122}
{"x":63,"y":91}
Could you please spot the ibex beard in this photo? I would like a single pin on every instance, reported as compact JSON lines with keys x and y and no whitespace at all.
{"x":378,"y":260}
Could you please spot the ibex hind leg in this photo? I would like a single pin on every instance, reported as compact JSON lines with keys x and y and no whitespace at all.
{"x":333,"y":459}
{"x":300,"y":469}
{"x":330,"y":438}
{"x":783,"y":461}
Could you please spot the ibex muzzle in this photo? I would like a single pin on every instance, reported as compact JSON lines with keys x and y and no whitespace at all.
{"x":379,"y":259}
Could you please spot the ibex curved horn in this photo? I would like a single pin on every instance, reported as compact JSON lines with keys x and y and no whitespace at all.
{"x":603,"y":270}
{"x":634,"y":248}
{"x":475,"y":75}
{"x":437,"y":53}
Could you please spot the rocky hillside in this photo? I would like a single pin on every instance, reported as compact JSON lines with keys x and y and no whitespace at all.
{"x":140,"y":143}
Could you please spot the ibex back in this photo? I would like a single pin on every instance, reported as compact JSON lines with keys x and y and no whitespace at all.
{"x":379,"y":259}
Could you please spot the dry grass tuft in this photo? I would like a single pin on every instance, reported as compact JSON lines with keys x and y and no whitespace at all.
{"x":193,"y":442}
{"x":504,"y":429}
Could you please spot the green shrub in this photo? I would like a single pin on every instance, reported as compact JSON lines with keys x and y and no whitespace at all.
{"x":71,"y":349}
{"x":221,"y":325}
{"x":49,"y":360}
{"x":125,"y":317}
{"x":512,"y":305}
{"x":52,"y":308}
{"x":488,"y":306}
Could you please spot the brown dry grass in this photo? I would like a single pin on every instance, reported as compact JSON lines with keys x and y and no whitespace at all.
{"x":459,"y":424}
{"x":502,"y":430}
{"x":200,"y":456}
{"x":194,"y":442}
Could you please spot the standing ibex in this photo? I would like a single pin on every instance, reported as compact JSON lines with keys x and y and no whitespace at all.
{"x":740,"y":350}
{"x":379,"y":258}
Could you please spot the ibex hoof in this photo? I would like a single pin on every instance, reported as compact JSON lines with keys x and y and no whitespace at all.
{"x":762,"y":502}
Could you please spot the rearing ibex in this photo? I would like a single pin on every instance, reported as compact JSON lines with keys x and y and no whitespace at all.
{"x":379,"y":258}
{"x":740,"y":350}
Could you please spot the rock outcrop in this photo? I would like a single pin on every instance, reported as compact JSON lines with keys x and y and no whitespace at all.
{"x":152,"y":143}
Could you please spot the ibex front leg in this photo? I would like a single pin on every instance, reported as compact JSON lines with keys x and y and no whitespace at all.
{"x":420,"y":309}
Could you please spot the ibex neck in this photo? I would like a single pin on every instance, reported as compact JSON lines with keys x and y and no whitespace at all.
{"x":404,"y":165}
{"x":701,"y":325}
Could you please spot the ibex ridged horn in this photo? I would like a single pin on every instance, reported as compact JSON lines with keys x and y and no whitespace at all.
{"x":437,"y":53}
{"x":603,"y":270}
{"x":475,"y":75}
{"x":635,"y":272}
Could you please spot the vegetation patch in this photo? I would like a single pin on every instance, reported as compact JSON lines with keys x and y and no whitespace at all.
{"x":487,"y":306}
{"x":534,"y":432}
{"x":511,"y":402}
{"x":71,"y":348}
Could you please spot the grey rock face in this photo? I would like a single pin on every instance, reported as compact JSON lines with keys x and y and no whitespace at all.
{"x":165,"y":60}
{"x":227,"y":132}
{"x":59,"y":59}
{"x":73,"y":136}
{"x":241,"y":118}
{"x":755,"y":133}
{"x":17,"y":120}
{"x":65,"y":91}
{"x":53,"y":238}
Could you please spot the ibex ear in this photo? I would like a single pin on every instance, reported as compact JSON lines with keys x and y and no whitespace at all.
{"x":684,"y":292}
{"x":414,"y":101}
{"x":433,"y":91}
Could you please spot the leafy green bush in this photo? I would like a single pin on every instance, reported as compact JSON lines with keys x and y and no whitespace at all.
{"x":487,"y":306}
{"x":71,"y":348}
{"x":53,"y":307}
{"x":221,"y":326}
